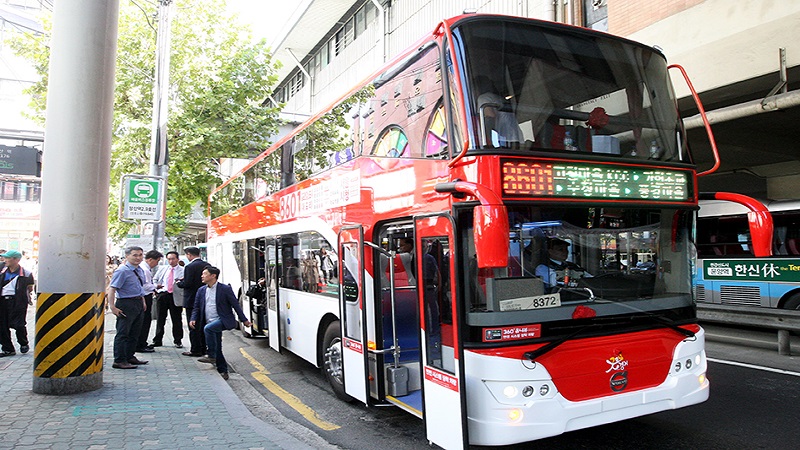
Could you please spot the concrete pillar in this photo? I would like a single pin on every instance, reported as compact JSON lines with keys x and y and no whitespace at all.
{"x":68,"y":355}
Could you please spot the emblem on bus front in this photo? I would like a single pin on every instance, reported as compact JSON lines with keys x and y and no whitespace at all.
{"x":618,"y":364}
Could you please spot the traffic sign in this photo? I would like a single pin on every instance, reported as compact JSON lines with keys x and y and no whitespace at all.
{"x":142,"y":198}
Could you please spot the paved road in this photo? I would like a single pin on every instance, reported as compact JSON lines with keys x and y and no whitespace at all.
{"x":750,"y":407}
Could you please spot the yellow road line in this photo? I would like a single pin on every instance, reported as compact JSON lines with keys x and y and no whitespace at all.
{"x":288,"y":398}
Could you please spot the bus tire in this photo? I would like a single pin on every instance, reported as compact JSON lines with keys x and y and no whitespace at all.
{"x":332,"y":360}
{"x":793,"y":302}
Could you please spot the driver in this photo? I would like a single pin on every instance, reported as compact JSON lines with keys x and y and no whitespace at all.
{"x":556,"y":270}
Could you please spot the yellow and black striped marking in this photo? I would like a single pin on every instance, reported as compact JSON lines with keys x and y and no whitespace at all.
{"x":69,"y":335}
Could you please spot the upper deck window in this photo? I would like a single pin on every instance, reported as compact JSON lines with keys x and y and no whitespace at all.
{"x":535,"y":87}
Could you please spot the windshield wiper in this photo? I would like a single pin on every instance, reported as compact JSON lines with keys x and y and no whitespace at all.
{"x":664,"y":321}
{"x":657,"y":318}
{"x":533,"y":354}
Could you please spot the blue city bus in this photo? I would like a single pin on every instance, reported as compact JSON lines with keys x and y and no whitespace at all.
{"x":728,"y":272}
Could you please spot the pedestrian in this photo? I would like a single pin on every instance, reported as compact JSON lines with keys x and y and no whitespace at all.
{"x":214,"y":306}
{"x":15,"y":296}
{"x":326,"y":265}
{"x":310,"y":273}
{"x":190,"y":283}
{"x":126,"y":300}
{"x":165,"y":301}
{"x":151,"y":260}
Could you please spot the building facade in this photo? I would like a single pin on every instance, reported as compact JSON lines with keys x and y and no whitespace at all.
{"x":21,"y":139}
{"x":736,"y":54}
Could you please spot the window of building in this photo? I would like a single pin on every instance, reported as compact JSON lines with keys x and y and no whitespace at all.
{"x":339,"y":39}
{"x":349,"y":32}
{"x":9,"y":190}
{"x":595,"y":13}
{"x":360,"y":23}
{"x":370,"y":12}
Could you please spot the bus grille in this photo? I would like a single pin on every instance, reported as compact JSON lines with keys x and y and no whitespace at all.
{"x":700,"y":293}
{"x":740,"y":295}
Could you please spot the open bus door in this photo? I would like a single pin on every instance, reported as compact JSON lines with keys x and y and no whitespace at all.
{"x":442,"y":379}
{"x":271,"y":291}
{"x":351,"y":311}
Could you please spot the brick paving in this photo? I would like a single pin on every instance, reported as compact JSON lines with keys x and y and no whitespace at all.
{"x":174,"y":402}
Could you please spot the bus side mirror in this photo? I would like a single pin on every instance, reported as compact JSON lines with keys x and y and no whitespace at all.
{"x":489,"y":221}
{"x":491,"y":230}
{"x":761,"y":229}
{"x":758,"y":218}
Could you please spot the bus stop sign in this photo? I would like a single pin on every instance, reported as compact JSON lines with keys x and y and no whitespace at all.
{"x":142,"y":198}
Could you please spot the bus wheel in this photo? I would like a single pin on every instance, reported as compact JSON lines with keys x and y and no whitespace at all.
{"x":793,"y":302}
{"x":332,"y":360}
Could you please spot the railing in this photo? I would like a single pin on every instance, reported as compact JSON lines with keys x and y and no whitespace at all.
{"x":775,"y":319}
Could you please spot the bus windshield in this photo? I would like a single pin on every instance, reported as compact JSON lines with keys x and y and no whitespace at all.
{"x":570,"y":265}
{"x":532,"y":87}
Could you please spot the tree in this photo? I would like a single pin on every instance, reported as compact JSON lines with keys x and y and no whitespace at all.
{"x":219,"y":79}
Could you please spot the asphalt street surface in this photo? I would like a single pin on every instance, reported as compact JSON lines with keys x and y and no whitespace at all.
{"x":753,"y":402}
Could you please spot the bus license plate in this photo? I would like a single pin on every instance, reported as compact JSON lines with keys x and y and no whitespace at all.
{"x":536,"y":302}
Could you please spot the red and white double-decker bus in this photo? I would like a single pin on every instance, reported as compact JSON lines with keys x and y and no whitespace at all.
{"x":492,"y":232}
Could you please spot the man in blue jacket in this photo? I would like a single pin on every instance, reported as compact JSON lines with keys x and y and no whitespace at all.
{"x":214,"y":304}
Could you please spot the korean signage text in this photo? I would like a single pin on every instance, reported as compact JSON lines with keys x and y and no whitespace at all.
{"x":767,"y":269}
{"x":142,"y":199}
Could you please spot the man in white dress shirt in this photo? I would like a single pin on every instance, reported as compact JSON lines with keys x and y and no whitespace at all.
{"x":165,"y":300}
{"x":151,"y":260}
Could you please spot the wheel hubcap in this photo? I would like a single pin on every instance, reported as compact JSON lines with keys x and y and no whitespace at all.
{"x":333,"y":360}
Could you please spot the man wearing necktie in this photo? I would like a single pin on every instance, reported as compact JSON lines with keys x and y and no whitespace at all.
{"x":165,"y":301}
{"x":151,"y":260}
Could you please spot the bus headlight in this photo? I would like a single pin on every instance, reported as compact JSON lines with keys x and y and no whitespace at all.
{"x":510,"y":391}
{"x":688,"y":363}
{"x":527,"y":391}
{"x":515,"y":415}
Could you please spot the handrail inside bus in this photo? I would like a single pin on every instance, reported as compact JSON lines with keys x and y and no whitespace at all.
{"x":759,"y":219}
{"x":702,"y":110}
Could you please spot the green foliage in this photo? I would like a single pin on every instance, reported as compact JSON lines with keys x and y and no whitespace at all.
{"x":218,"y":80}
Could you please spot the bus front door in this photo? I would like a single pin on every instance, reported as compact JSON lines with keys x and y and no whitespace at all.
{"x":271,"y":291}
{"x":351,"y":312}
{"x":442,"y":377}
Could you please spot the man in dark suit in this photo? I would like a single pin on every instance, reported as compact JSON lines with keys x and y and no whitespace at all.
{"x":214,"y":306}
{"x":190,"y":283}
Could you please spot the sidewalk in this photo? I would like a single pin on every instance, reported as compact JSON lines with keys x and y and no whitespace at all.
{"x":173,"y":402}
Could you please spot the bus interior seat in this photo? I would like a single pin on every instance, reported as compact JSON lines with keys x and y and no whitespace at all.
{"x":793,"y":246}
{"x":714,"y":239}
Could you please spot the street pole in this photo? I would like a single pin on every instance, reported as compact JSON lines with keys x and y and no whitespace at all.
{"x":158,"y":140}
{"x":68,"y":356}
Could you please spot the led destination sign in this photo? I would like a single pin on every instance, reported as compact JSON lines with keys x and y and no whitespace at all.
{"x":581,"y":180}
